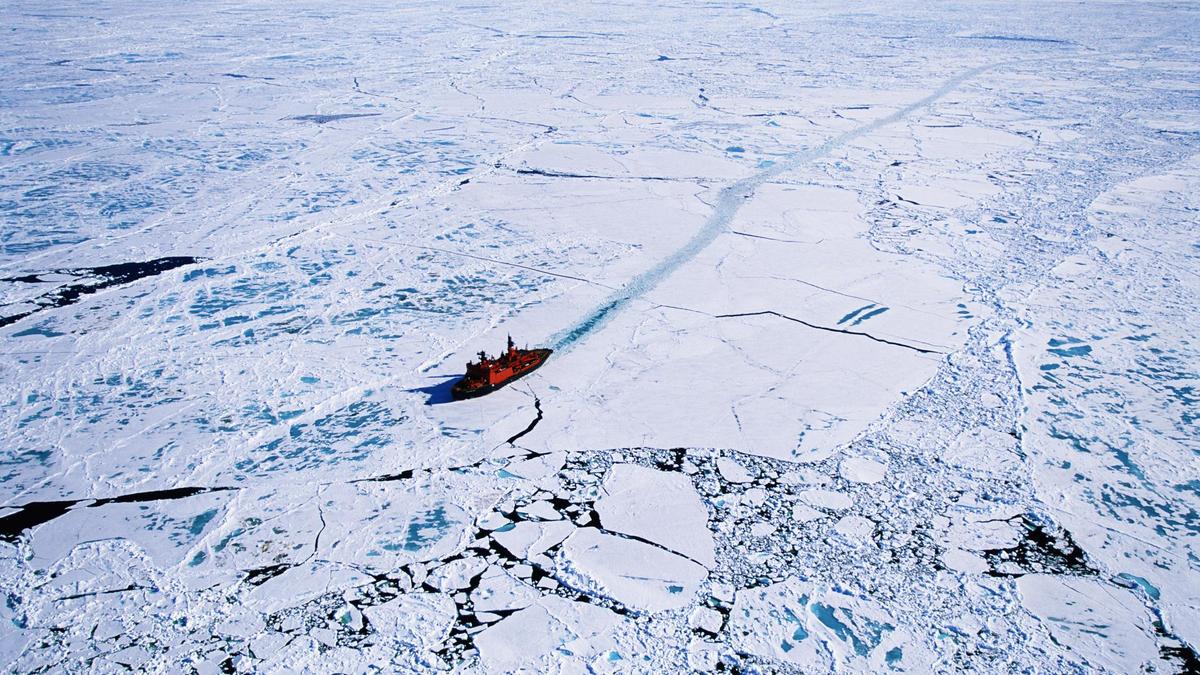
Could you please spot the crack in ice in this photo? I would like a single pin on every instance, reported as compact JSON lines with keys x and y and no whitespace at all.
{"x":831,"y":330}
{"x":537,"y":404}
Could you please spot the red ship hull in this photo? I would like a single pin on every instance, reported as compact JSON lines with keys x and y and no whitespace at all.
{"x":492,"y":374}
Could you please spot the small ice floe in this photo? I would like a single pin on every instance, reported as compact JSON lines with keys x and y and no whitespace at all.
{"x":803,"y":514}
{"x":538,"y":467}
{"x":862,"y":470}
{"x":631,"y":572}
{"x":416,"y":618}
{"x":854,"y":530}
{"x":456,"y":574}
{"x":706,"y":619}
{"x":498,"y":590}
{"x":732,"y":471}
{"x":541,"y":510}
{"x":828,"y":499}
{"x":658,"y":506}
{"x":527,"y":539}
{"x":553,"y":631}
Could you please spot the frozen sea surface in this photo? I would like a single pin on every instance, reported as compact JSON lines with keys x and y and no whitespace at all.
{"x":875,"y":330}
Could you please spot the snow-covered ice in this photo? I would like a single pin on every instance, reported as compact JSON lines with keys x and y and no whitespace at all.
{"x":874,"y":330}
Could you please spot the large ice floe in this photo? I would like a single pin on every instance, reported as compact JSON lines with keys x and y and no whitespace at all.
{"x":874,"y":329}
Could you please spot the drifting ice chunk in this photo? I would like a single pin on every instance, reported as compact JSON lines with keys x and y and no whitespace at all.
{"x":522,"y":638}
{"x":416,"y":618}
{"x":492,"y":521}
{"x":705,"y":618}
{"x":854,"y":530}
{"x":827,"y":499}
{"x":553,"y":626}
{"x":541,"y":509}
{"x":528,"y":539}
{"x":659,"y":506}
{"x":456,"y":574}
{"x":498,"y":589}
{"x":298,"y":585}
{"x":862,"y":470}
{"x":538,"y":467}
{"x":803,"y":514}
{"x":732,"y":471}
{"x":630,"y":572}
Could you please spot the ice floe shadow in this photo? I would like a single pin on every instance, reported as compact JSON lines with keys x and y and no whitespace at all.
{"x":439,"y":393}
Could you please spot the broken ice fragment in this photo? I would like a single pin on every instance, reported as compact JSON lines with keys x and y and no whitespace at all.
{"x":422,"y":619}
{"x":551,"y":629}
{"x":803,"y":514}
{"x":351,"y":617}
{"x":732,"y":471}
{"x":827,"y":499}
{"x":854,"y":530}
{"x":538,"y":467}
{"x":658,"y":506}
{"x":493,"y":520}
{"x":862,"y":470}
{"x":631,"y":572}
{"x":542,"y":510}
{"x":705,"y":619}
{"x":498,"y":590}
{"x":324,"y":636}
{"x":527,"y":539}
{"x":456,"y":574}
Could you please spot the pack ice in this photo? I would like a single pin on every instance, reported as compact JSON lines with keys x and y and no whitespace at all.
{"x":874,"y":333}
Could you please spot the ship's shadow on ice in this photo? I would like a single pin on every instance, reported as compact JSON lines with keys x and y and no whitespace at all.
{"x":439,"y":393}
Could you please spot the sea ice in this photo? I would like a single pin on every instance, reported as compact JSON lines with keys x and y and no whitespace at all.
{"x":874,"y":336}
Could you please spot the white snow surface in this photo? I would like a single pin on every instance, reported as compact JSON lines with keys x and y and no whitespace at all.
{"x":874,"y":331}
{"x":658,"y":506}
